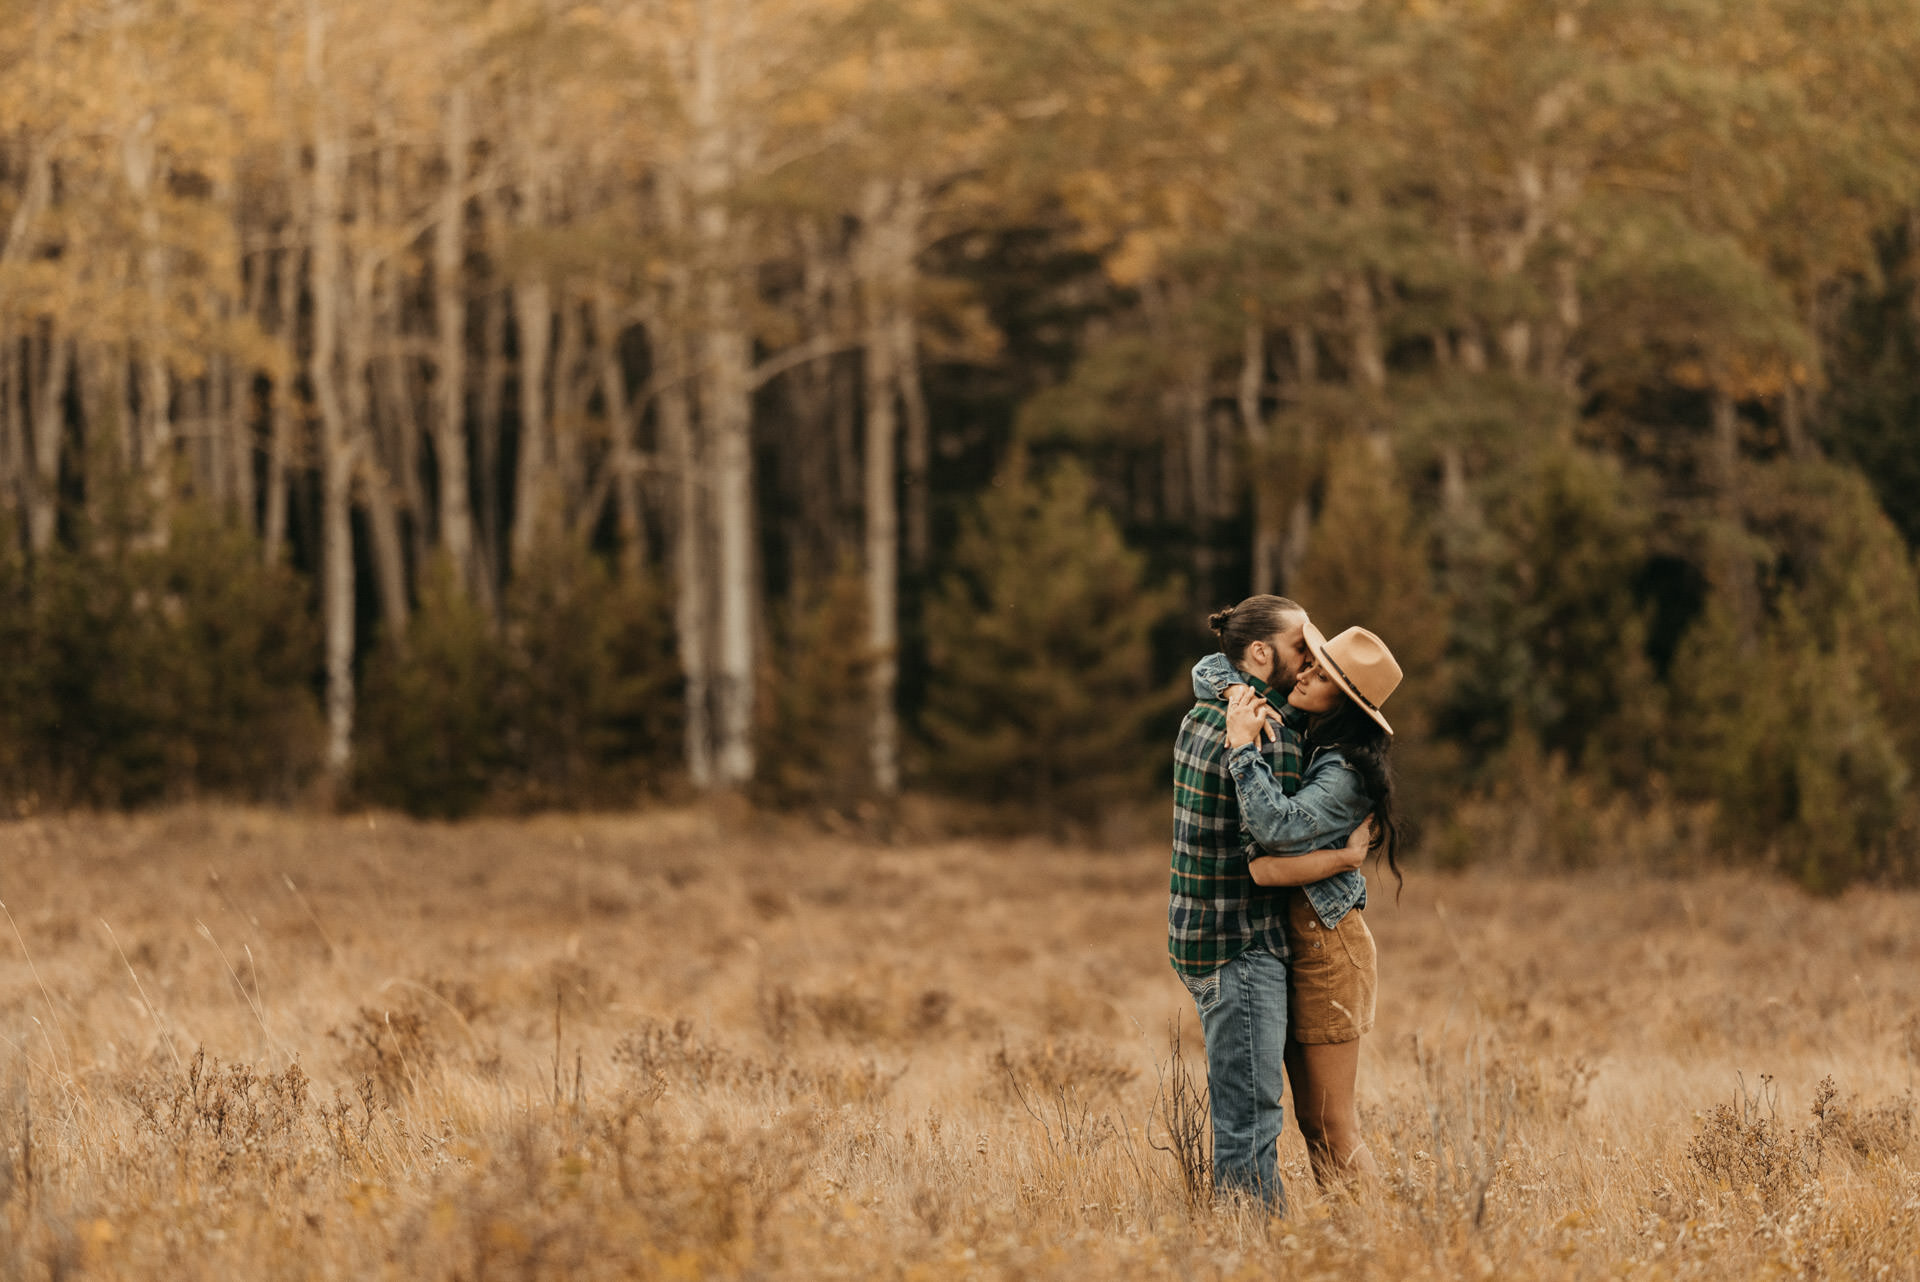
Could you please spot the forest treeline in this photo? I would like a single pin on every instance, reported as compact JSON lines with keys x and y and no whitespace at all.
{"x":463,"y":403}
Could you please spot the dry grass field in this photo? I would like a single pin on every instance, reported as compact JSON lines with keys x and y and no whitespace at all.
{"x":677,"y":1045}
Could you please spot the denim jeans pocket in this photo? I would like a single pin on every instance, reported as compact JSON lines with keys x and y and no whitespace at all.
{"x":1205,"y":989}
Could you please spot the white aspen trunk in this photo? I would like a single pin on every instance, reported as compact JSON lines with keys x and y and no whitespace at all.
{"x":376,"y":485}
{"x":155,"y":437}
{"x":394,"y":417}
{"x":533,"y":321}
{"x":11,"y":465}
{"x":16,"y":470}
{"x":623,"y":455}
{"x":1363,"y":332}
{"x":809,"y":390}
{"x":205,"y":460}
{"x":725,"y":395}
{"x":489,"y":550}
{"x":726,"y":416}
{"x":1472,"y":349}
{"x":282,"y":407}
{"x":336,"y":440}
{"x":49,"y":423}
{"x":568,"y":473}
{"x":237,"y":404}
{"x":691,"y":559}
{"x":1793,"y":421}
{"x":1253,"y":372}
{"x":398,"y":408}
{"x":533,"y":312}
{"x":214,"y":454}
{"x":450,"y":373}
{"x":911,"y":209}
{"x":1299,"y":530}
{"x":879,"y":281}
{"x":1734,"y":569}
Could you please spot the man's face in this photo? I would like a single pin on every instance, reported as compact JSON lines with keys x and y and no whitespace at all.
{"x":1279,"y":659}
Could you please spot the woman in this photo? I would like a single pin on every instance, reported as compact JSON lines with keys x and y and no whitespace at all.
{"x":1332,"y":959}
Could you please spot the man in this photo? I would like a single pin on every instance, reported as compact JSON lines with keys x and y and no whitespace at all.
{"x":1227,"y":935}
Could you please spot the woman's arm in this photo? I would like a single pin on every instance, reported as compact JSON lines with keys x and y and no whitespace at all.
{"x":1214,"y":675}
{"x":1303,"y":870}
{"x":1330,"y":804}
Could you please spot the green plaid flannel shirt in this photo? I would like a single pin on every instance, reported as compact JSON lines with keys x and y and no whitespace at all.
{"x":1215,"y":910}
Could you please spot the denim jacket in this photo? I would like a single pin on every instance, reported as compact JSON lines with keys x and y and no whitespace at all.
{"x":1329,"y":805}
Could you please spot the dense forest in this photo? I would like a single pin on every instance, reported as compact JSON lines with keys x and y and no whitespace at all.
{"x":506,"y":403}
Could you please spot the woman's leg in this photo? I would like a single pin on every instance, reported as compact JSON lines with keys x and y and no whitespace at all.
{"x":1324,"y":1100}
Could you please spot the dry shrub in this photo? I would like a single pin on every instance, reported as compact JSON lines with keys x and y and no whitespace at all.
{"x":659,"y":1056}
{"x":563,"y":1194}
{"x":850,"y":1013}
{"x":1540,"y":814}
{"x":394,"y":1048}
{"x":1044,"y":1069}
{"x":1868,"y":1131}
{"x":1182,"y":1107}
{"x":1544,"y":1089}
{"x":1443,"y":1161}
{"x":235,"y":1131}
{"x":580,"y":989}
{"x":1743,"y":1144}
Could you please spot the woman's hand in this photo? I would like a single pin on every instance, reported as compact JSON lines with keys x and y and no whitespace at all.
{"x":1248,"y":716}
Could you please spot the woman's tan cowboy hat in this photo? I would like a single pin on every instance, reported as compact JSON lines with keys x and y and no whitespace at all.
{"x":1359,"y":663}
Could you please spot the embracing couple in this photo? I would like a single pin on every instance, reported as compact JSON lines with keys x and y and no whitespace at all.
{"x":1282,"y":787}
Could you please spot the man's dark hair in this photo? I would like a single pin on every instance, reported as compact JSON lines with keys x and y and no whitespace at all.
{"x":1255,"y":619}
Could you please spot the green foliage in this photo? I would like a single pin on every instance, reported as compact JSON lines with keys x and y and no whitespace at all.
{"x":1785,"y":734}
{"x":816,"y":730}
{"x":432,"y":727}
{"x":574,"y":702}
{"x":141,"y":671}
{"x":1367,"y":565}
{"x":1039,"y":649}
{"x":1834,"y":555}
{"x":1875,"y":376}
{"x":1797,"y":715}
{"x":1547,"y":634}
{"x":593,"y":693}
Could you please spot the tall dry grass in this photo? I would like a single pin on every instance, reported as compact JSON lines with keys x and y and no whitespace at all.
{"x":244,"y":1045}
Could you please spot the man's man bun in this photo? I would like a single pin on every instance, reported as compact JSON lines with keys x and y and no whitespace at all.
{"x":1255,"y":619}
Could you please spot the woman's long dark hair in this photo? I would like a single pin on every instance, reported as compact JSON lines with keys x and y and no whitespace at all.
{"x":1366,"y":747}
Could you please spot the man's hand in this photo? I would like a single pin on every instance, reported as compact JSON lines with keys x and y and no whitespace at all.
{"x":1354,"y":853}
{"x":1248,"y":716}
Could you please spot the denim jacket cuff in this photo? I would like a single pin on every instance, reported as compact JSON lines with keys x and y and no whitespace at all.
{"x":1242,"y":758}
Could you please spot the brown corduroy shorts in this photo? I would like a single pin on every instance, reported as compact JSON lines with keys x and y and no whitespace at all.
{"x":1331,"y":976}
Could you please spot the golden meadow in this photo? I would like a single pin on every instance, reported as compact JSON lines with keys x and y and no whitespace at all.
{"x":241,"y":1044}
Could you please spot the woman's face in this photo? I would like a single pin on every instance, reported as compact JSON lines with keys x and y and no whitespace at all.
{"x":1315,"y":691}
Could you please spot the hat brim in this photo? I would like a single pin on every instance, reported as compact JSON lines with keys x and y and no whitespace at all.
{"x":1317,"y":645}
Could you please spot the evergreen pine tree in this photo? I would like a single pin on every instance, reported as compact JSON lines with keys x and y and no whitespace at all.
{"x":1548,"y":635}
{"x":1038,"y":645}
{"x":1786,"y":736}
{"x":816,"y":715}
{"x":433,"y":725}
{"x":1367,"y":565}
{"x":592,"y":691}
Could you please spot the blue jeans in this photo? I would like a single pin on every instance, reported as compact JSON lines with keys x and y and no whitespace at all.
{"x":1243,"y":1011}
